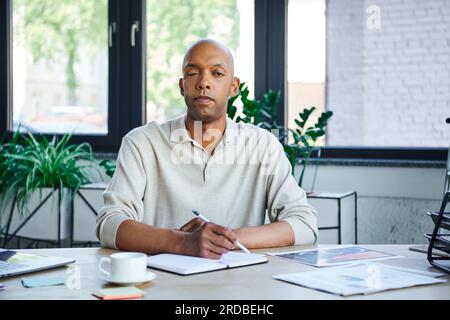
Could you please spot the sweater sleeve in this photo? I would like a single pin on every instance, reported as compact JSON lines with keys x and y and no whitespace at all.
{"x":123,"y":196}
{"x":286,"y":200}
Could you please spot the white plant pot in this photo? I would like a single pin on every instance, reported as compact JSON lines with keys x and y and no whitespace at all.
{"x":48,"y":223}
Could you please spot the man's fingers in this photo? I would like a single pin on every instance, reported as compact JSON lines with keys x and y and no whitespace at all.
{"x":215,"y":250}
{"x":226,"y":233}
{"x":212,"y":240}
{"x":220,"y":236}
{"x":208,"y":249}
{"x":192,"y":225}
{"x":210,"y":254}
{"x":222,"y":242}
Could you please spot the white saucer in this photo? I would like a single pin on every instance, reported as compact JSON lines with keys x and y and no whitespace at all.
{"x":148,"y":277}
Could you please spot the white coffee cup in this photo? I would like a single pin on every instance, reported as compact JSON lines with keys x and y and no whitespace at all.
{"x":125,"y":266}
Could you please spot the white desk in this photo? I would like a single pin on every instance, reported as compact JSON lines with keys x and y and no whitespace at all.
{"x":249,"y":283}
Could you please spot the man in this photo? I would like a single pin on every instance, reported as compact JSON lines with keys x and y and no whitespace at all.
{"x":234,"y":174}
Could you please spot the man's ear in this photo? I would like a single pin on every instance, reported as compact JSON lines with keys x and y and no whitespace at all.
{"x":235,"y":86}
{"x":180,"y":84}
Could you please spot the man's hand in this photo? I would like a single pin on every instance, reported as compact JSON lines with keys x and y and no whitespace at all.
{"x":193,"y":225}
{"x":206,"y":240}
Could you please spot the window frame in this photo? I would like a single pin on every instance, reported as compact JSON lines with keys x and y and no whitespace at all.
{"x":271,"y":51}
{"x":5,"y":64}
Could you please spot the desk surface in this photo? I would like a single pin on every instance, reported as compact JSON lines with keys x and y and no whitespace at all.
{"x":252,"y":282}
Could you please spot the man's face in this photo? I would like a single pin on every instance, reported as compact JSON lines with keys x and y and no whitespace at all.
{"x":208,"y":81}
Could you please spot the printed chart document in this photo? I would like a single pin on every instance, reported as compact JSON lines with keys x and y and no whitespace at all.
{"x":361,"y":278}
{"x":185,"y":265}
{"x":334,"y":256}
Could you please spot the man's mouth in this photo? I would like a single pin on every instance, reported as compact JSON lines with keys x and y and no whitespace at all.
{"x":203,"y":99}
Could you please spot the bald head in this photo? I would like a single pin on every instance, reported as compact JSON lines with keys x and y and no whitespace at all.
{"x":206,"y":44}
{"x":208,"y":80}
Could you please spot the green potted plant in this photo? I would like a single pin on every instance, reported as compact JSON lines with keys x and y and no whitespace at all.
{"x":109,"y":166}
{"x":41,"y":176}
{"x":262,"y":113}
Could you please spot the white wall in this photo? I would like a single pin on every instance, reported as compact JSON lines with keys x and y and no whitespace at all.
{"x":392,"y":201}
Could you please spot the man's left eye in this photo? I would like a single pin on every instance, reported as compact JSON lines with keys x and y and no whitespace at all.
{"x":218,"y":73}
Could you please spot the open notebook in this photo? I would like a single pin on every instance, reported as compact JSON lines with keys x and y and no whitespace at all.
{"x":189,"y":265}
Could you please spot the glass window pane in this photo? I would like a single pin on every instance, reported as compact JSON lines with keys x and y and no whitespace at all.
{"x":388,"y":73}
{"x":173,"y":25}
{"x":60,"y":66}
{"x":306,"y":59}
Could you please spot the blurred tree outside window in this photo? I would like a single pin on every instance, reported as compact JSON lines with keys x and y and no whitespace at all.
{"x":60,"y":65}
{"x":173,"y":25}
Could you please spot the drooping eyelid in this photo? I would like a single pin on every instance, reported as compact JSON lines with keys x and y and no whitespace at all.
{"x":219,"y":69}
{"x":190,"y":70}
{"x":194,"y":69}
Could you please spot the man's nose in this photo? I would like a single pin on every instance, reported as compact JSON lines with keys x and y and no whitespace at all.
{"x":204,"y":82}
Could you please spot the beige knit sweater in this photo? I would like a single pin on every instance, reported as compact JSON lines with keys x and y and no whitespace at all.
{"x":162,"y":174}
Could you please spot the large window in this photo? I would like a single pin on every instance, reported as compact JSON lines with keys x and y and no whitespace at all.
{"x":173,"y":25}
{"x":306,"y":58}
{"x":388,"y":73}
{"x":60,"y":66}
{"x":99,"y":68}
{"x":72,"y":67}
